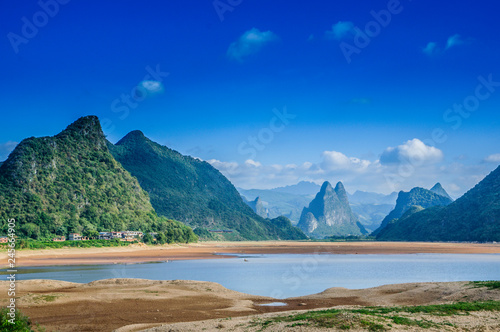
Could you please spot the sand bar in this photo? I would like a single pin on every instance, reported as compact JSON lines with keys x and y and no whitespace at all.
{"x":208,"y":250}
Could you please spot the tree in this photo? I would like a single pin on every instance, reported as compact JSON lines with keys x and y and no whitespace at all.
{"x":161,"y":238}
{"x":147,"y":238}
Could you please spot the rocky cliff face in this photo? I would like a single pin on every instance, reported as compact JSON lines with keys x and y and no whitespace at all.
{"x":329,"y":214}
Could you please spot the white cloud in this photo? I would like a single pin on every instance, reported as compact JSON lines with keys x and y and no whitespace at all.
{"x":359,"y":174}
{"x":334,"y":161}
{"x":494,"y":158}
{"x":414,"y":152}
{"x":433,"y":48}
{"x":430,"y":49}
{"x":250,"y":43}
{"x":454,"y":40}
{"x":340,"y":30}
{"x":152,"y":86}
{"x":6,"y":149}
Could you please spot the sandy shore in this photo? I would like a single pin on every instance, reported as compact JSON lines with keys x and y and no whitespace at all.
{"x":136,"y":304}
{"x":206,"y":250}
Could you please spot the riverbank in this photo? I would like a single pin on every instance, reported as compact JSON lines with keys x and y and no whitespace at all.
{"x":206,"y":250}
{"x":138,"y":304}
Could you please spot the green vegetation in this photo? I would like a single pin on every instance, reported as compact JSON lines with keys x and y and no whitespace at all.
{"x":409,"y":201}
{"x":490,"y":284}
{"x":380,"y":318}
{"x":350,"y":238}
{"x":21,"y":322}
{"x":285,"y":225}
{"x":36,"y":244}
{"x":68,"y":183}
{"x":192,"y":191}
{"x":473,"y":217}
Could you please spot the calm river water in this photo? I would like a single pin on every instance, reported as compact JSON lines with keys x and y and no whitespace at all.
{"x":285,"y":275}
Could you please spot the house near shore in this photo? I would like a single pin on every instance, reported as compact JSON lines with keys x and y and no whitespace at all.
{"x":116,"y":235}
{"x":59,"y":239}
{"x":74,"y":237}
{"x":131,"y":235}
{"x":105,"y":236}
{"x":4,"y":239}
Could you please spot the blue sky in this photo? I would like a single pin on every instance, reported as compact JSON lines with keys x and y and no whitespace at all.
{"x":269,"y":92}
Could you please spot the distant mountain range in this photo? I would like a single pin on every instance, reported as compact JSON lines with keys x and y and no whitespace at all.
{"x":77,"y":181}
{"x":289,"y":201}
{"x":303,"y":188}
{"x":329,"y":214}
{"x":473,"y":217}
{"x":416,"y":197}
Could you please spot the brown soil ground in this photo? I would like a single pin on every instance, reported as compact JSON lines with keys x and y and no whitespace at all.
{"x":137,"y":304}
{"x":206,"y":250}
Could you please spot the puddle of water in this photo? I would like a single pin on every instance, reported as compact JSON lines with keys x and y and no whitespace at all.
{"x":273,"y":304}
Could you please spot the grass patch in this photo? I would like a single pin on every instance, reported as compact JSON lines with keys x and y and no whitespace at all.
{"x":373,"y":318}
{"x":490,"y":284}
{"x":438,"y":309}
{"x":45,"y":298}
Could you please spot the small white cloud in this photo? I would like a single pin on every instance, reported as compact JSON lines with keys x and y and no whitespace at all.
{"x":494,"y":158}
{"x":454,"y":40}
{"x":413,"y":151}
{"x":430,"y":49}
{"x":148,"y":88}
{"x":6,"y":149}
{"x":334,"y":161}
{"x":152,"y":86}
{"x":250,"y":43}
{"x":253,"y":163}
{"x":340,"y":30}
{"x":434,"y":48}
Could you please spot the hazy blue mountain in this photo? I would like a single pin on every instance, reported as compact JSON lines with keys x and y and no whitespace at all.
{"x":371,"y":208}
{"x":438,"y":189}
{"x":329,"y":214}
{"x":191,"y":190}
{"x":257,"y":206}
{"x":365,"y":198}
{"x":473,"y":217}
{"x":302,"y":188}
{"x":278,"y":203}
{"x":371,"y":215}
{"x":417,"y":196}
